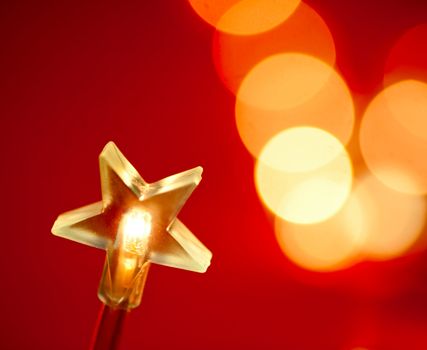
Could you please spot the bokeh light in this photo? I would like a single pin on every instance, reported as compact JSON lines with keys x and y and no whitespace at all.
{"x":393,"y":136}
{"x":408,"y":57}
{"x":375,"y":223}
{"x":392,"y":220}
{"x":211,"y":11}
{"x":304,"y":31}
{"x":303,"y":175}
{"x":330,"y":245}
{"x":244,"y":17}
{"x":288,"y":90}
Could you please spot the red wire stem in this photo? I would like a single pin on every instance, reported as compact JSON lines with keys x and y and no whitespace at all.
{"x":108,"y":328}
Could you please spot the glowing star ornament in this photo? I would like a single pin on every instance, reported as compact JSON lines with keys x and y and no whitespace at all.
{"x":136,"y":223}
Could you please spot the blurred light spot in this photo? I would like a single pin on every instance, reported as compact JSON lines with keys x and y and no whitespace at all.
{"x":285,"y":81}
{"x":244,"y":17}
{"x":288,"y":90}
{"x":408,"y":57}
{"x":303,"y":175}
{"x":330,"y":245}
{"x":249,"y":17}
{"x":212,"y":10}
{"x":393,"y":136}
{"x":392,"y":221}
{"x":304,"y":31}
{"x":375,"y":223}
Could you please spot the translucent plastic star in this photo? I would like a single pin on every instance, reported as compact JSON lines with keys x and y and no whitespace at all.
{"x":136,"y":223}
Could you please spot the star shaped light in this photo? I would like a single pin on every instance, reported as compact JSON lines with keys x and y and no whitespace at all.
{"x":136,"y":223}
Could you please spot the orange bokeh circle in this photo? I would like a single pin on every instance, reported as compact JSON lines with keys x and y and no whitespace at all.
{"x":244,"y":17}
{"x":391,"y":221}
{"x":304,"y":31}
{"x":288,"y":90}
{"x":393,"y":137}
{"x":330,"y":245}
{"x":375,"y":223}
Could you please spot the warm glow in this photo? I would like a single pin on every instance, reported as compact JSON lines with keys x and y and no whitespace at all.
{"x":303,"y":175}
{"x":408,"y":57}
{"x":284,"y":81}
{"x":288,"y":90}
{"x":392,"y":221}
{"x":330,"y":245}
{"x":249,"y":17}
{"x":136,"y":228}
{"x":212,"y":10}
{"x":136,"y":224}
{"x":393,"y":136}
{"x":244,"y":17}
{"x":375,"y":223}
{"x":130,"y":263}
{"x":304,"y":32}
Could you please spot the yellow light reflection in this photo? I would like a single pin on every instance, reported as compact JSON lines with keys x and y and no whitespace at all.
{"x":303,"y":175}
{"x":304,"y":31}
{"x":330,"y":245}
{"x":288,"y":90}
{"x":392,"y":221}
{"x":244,"y":17}
{"x":393,"y":136}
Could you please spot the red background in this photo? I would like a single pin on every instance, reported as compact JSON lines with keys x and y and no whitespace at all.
{"x":74,"y":76}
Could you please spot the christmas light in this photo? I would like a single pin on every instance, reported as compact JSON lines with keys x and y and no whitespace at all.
{"x":136,"y":224}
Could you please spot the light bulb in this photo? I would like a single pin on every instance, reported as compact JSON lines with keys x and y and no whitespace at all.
{"x":135,"y":230}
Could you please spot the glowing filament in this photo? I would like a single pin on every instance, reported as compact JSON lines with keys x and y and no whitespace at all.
{"x":135,"y":228}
